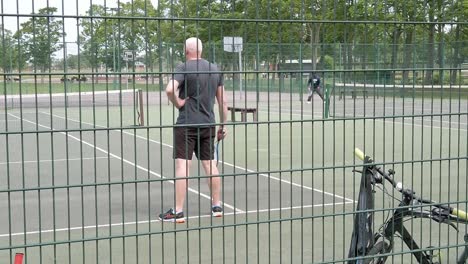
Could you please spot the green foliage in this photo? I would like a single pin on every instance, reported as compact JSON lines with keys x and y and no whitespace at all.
{"x":326,"y":62}
{"x":8,"y":51}
{"x":40,"y":37}
{"x":73,"y":62}
{"x":273,"y":31}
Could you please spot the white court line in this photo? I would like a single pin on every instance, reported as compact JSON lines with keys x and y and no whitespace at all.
{"x":379,"y":120}
{"x":156,"y":221}
{"x":48,"y":95}
{"x":130,"y":163}
{"x":229,"y":164}
{"x":437,"y":115}
{"x":55,"y":160}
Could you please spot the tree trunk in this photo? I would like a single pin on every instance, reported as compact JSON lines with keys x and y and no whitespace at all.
{"x":456,"y":56}
{"x":350,"y":55}
{"x":343,"y":51}
{"x":363,"y":55}
{"x":275,"y":68}
{"x":43,"y":69}
{"x":440,"y":53}
{"x":408,"y":53}
{"x":395,"y":48}
{"x":430,"y":55}
{"x":314,"y":30}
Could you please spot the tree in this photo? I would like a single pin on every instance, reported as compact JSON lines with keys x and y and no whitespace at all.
{"x":457,"y":36}
{"x":10,"y":52}
{"x":435,"y":14}
{"x":105,"y":36}
{"x":97,"y":38}
{"x":278,"y":30}
{"x":6,"y":50}
{"x":73,"y":61}
{"x":40,"y":36}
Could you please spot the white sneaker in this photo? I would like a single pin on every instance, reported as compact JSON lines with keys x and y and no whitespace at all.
{"x":217,"y":211}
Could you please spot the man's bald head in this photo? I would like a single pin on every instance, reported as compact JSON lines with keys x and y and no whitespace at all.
{"x":193,"y":48}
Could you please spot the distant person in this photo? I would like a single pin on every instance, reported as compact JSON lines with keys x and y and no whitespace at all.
{"x":313,"y":85}
{"x":193,"y":89}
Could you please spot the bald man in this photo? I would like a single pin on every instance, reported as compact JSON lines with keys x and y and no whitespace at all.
{"x":193,"y":89}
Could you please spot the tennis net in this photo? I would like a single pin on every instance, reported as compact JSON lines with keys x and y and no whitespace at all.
{"x":130,"y":99}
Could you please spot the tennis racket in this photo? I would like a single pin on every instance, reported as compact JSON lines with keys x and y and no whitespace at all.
{"x":216,"y":152}
{"x":219,"y":137}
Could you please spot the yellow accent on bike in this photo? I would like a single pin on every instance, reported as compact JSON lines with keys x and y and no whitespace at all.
{"x":359,"y":153}
{"x":460,"y":214}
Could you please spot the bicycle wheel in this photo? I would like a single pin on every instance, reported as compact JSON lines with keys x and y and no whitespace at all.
{"x":380,"y":247}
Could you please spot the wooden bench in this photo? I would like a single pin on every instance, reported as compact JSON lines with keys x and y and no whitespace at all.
{"x":243,"y":112}
{"x":354,"y":93}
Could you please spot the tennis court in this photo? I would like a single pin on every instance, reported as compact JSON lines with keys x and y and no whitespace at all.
{"x":288,"y":185}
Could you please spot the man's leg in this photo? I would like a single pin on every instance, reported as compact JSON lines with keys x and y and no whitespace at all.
{"x":214,"y":182}
{"x":183,"y":149}
{"x":310,"y":93}
{"x":206,"y":156}
{"x":181,"y":173}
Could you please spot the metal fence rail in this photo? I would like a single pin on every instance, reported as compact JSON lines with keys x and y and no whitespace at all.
{"x":87,"y":141}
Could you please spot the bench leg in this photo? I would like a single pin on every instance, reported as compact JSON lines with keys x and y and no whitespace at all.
{"x":233,"y":116}
{"x":255,"y":116}
{"x":243,"y":116}
{"x":353,"y":94}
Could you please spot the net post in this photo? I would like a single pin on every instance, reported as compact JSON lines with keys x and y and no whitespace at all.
{"x":327,"y":102}
{"x":19,"y":258}
{"x":141,"y":113}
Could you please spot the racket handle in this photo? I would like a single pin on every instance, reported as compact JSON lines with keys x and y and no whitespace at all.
{"x":359,"y":153}
{"x":460,"y":214}
{"x":19,"y":258}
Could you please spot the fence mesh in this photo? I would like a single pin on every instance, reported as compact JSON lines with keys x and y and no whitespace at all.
{"x":87,"y":132}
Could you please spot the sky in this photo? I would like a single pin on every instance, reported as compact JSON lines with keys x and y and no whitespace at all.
{"x":11,"y":8}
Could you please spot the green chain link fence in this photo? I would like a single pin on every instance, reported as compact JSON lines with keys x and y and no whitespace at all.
{"x":86,"y":130}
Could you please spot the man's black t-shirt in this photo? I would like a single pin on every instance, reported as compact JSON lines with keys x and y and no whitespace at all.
{"x":198,"y":80}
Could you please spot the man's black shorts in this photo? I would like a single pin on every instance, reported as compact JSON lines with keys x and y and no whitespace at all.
{"x":192,"y":139}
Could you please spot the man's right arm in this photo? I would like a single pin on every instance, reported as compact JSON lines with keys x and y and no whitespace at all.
{"x":172,"y":92}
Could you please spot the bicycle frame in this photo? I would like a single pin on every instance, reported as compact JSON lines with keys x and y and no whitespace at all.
{"x":395,"y":225}
{"x":363,"y":238}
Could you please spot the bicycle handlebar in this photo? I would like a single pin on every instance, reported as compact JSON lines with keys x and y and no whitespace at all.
{"x":398,"y":185}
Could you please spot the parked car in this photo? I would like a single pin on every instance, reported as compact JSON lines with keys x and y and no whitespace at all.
{"x":79,"y":78}
{"x":13,"y":78}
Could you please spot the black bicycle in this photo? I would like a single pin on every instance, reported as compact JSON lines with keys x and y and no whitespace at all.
{"x":369,"y":247}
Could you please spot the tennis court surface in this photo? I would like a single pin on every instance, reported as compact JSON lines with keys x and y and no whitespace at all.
{"x":89,"y":174}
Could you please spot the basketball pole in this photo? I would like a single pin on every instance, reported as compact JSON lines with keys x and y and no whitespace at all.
{"x":240,"y":73}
